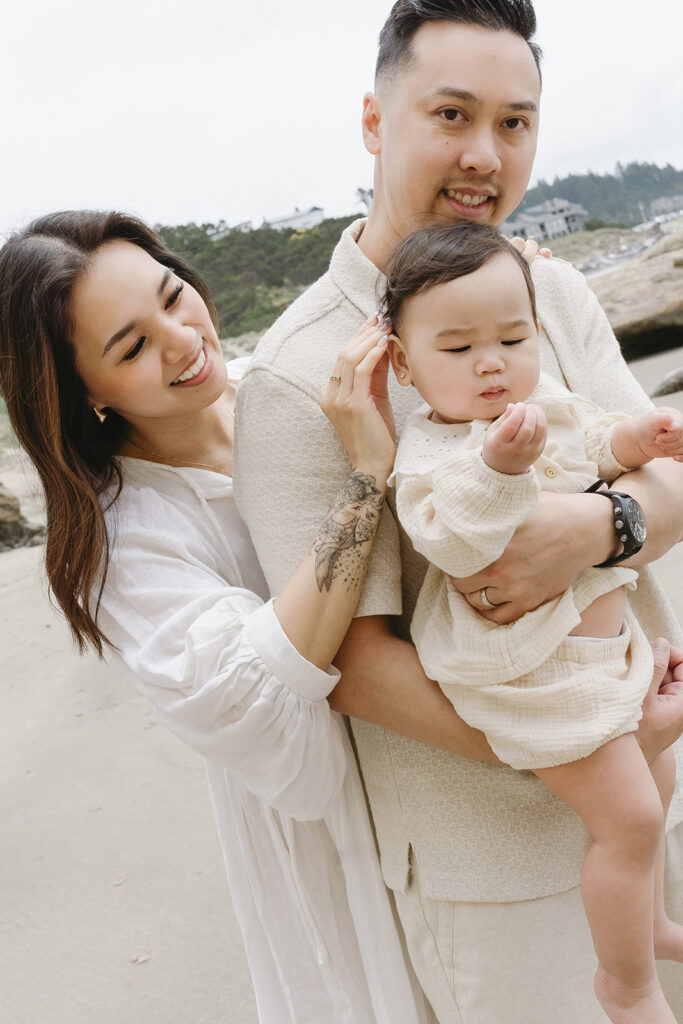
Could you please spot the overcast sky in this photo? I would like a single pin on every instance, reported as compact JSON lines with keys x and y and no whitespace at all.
{"x":219,"y":109}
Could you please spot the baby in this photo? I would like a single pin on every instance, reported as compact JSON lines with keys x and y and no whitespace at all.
{"x":559,"y":692}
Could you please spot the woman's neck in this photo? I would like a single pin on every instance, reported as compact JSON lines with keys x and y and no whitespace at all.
{"x":204,"y":440}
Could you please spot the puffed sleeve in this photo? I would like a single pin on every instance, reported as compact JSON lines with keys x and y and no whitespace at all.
{"x":218,"y":668}
{"x":461,"y":514}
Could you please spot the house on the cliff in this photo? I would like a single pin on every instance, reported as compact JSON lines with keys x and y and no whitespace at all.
{"x":550,"y":219}
{"x":300,"y":219}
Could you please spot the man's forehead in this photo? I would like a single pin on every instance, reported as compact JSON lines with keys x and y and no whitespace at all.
{"x":470,"y":59}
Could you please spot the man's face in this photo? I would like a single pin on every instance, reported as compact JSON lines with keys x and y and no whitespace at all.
{"x":454,"y":131}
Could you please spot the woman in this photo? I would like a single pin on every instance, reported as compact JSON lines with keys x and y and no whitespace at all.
{"x":114,"y":379}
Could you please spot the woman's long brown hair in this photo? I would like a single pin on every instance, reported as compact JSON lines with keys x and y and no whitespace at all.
{"x":46,"y":399}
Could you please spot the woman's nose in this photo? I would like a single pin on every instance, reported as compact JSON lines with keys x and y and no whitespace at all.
{"x":179,"y":340}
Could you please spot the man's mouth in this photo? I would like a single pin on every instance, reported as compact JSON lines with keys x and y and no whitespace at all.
{"x":193,"y":370}
{"x":468,"y":198}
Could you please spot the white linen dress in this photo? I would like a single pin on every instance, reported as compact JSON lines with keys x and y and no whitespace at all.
{"x":186,"y":605}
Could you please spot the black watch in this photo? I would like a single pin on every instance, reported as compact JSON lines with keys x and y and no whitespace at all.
{"x":629,"y":522}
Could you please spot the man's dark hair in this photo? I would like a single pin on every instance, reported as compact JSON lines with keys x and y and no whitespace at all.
{"x":441,"y":253}
{"x":407,"y":16}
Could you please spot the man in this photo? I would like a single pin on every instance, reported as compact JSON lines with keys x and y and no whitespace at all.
{"x":484,"y":862}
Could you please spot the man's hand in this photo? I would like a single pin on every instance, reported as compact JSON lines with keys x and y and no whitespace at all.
{"x":564,"y":534}
{"x":515,"y":440}
{"x":662,"y":721}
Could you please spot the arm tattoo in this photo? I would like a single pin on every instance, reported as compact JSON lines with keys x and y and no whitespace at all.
{"x":341,"y":547}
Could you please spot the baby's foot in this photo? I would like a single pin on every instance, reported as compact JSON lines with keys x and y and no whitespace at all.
{"x":668,"y":940}
{"x":647,"y":1006}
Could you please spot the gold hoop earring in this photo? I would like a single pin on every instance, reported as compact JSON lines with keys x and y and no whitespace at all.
{"x":99,"y":413}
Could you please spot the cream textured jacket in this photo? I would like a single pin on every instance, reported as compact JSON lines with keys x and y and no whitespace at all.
{"x":542,"y":697}
{"x":480,"y":832}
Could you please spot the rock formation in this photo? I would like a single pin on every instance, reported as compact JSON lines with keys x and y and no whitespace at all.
{"x":15,"y":529}
{"x":644,"y":298}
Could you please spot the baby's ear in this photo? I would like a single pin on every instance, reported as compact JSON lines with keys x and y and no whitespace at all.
{"x":399,"y":359}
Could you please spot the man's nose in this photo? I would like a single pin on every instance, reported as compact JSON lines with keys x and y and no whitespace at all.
{"x":480,"y":152}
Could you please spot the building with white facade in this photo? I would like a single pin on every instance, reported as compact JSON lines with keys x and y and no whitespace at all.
{"x":550,"y":219}
{"x":302,"y":219}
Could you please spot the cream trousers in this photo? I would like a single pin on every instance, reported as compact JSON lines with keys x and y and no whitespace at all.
{"x":519,"y":963}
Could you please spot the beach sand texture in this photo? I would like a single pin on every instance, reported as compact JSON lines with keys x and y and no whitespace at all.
{"x":114,"y":903}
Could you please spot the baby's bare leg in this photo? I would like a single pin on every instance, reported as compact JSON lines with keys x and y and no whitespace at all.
{"x":668,"y":936}
{"x":604,"y":617}
{"x":614,"y":793}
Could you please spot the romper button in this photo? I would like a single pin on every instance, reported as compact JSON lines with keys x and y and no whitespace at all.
{"x":550,"y":472}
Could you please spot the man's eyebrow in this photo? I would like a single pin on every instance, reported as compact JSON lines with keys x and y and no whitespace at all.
{"x":465,"y":96}
{"x":115,"y":338}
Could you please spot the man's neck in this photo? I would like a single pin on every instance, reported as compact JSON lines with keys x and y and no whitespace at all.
{"x":378,"y":240}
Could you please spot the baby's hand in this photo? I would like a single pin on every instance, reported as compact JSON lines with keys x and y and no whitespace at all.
{"x":515,"y":440}
{"x":659,"y":434}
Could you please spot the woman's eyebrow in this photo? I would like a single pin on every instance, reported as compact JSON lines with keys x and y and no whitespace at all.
{"x":129,"y":327}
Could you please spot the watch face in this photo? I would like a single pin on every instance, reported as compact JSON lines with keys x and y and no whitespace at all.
{"x":635,"y":520}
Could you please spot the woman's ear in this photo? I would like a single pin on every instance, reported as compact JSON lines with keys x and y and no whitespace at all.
{"x":399,"y":360}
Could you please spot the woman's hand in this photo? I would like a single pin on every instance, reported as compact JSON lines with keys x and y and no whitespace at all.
{"x":529,"y":248}
{"x":662,"y":721}
{"x":356,"y":400}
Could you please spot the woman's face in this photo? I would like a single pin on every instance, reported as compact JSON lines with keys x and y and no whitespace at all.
{"x":144,"y":341}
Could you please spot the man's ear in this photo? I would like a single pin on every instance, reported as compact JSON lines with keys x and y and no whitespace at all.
{"x":370,"y":122}
{"x":399,"y":360}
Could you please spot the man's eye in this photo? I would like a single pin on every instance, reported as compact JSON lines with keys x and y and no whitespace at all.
{"x":451,"y":114}
{"x":174,"y":296}
{"x":137,"y":347}
{"x":515,"y":341}
{"x":515,"y":124}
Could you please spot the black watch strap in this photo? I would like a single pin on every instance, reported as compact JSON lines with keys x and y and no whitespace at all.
{"x":623,"y":505}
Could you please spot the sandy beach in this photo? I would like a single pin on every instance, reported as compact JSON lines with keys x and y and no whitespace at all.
{"x":114,"y":902}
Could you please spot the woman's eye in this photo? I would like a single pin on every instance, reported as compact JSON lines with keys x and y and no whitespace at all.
{"x":137,"y":347}
{"x":174,"y":296}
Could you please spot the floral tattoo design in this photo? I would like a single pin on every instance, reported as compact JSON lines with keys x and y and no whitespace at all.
{"x":341,"y":545}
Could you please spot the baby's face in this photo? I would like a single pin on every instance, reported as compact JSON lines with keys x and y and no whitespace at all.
{"x":470,"y":346}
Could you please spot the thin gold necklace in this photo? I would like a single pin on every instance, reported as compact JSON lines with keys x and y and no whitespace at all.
{"x":170,"y":458}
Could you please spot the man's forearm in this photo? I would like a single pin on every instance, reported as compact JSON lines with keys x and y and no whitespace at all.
{"x":383,"y":682}
{"x":659,"y":489}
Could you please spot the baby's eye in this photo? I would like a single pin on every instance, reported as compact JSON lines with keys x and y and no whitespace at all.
{"x":463,"y":348}
{"x":515,"y":341}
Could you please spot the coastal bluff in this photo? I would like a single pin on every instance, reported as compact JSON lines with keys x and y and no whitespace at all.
{"x":643,"y":298}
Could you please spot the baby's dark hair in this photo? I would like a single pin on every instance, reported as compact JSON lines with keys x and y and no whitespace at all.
{"x":442,"y":253}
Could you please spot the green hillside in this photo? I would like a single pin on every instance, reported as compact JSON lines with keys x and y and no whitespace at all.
{"x":253,"y":275}
{"x":615,"y":198}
